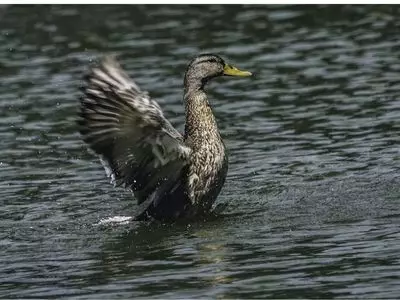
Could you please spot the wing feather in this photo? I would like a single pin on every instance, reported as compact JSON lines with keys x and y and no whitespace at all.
{"x":137,"y":145}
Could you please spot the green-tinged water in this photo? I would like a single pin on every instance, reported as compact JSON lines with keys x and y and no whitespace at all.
{"x":313,"y":187}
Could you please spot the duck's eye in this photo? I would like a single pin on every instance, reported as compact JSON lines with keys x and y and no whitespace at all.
{"x":212,"y":60}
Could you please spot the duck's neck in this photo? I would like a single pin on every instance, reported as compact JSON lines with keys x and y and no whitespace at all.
{"x":200,"y":120}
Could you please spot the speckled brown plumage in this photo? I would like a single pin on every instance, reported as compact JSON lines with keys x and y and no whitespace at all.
{"x":172,"y":176}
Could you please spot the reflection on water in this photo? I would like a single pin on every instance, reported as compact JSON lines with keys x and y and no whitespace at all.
{"x":313,"y":188}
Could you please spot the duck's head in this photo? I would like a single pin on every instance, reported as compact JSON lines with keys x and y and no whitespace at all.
{"x":206,"y":66}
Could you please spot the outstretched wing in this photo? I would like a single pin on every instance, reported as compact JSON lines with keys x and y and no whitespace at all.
{"x":138,"y":147}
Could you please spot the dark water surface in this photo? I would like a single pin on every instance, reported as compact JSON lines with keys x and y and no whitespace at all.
{"x":313,"y":187}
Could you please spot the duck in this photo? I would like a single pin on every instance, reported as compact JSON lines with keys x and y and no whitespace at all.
{"x":172,"y":175}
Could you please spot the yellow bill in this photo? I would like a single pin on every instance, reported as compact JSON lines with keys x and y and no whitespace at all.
{"x":233,"y":71}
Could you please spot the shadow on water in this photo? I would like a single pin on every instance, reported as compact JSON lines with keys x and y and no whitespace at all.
{"x":162,"y":251}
